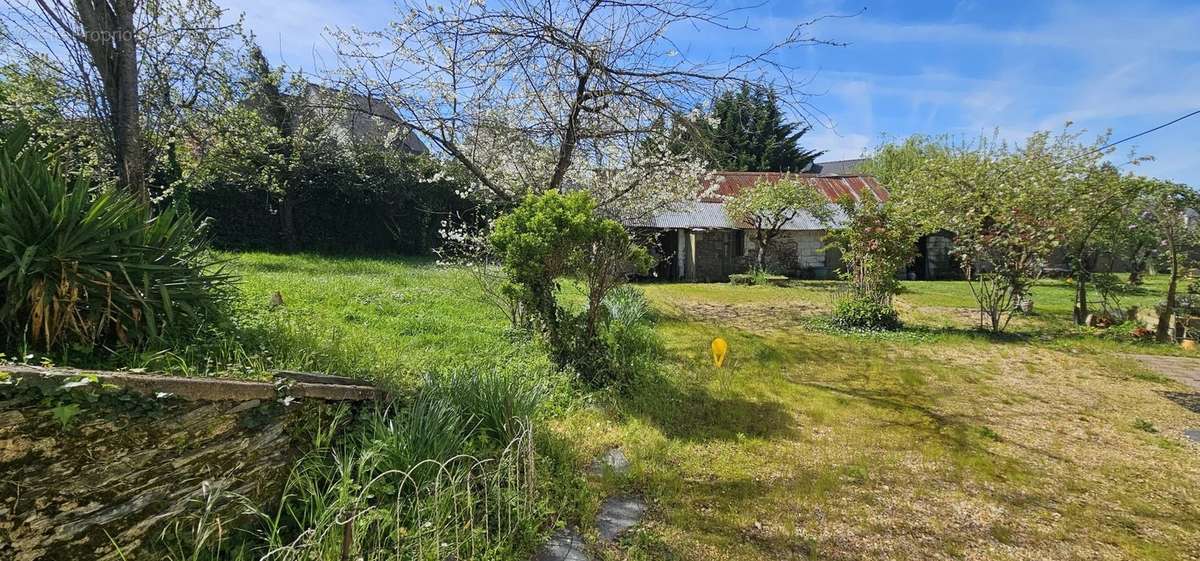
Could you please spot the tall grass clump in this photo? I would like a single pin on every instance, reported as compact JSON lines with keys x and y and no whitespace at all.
{"x":84,"y":265}
{"x":632,"y":344}
{"x":444,"y":475}
{"x":499,"y":405}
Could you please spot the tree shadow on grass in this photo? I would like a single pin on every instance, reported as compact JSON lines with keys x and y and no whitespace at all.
{"x":1189,"y":401}
{"x":685,"y":410}
{"x":958,"y":433}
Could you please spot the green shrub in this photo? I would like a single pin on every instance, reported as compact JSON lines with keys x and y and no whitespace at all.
{"x":552,"y":237}
{"x":83,"y":265}
{"x":758,"y":277}
{"x":864,"y":314}
{"x":632,"y":350}
{"x":741,"y":278}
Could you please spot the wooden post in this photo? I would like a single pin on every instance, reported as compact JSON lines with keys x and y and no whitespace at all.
{"x":348,"y":538}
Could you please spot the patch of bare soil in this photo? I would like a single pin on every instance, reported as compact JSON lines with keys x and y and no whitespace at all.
{"x":750,"y":316}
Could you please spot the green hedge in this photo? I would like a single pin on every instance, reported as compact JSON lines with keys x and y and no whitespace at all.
{"x":334,"y":212}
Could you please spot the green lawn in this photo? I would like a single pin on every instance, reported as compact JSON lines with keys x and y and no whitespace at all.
{"x":934,"y":443}
{"x":388,"y":320}
{"x":953,"y":446}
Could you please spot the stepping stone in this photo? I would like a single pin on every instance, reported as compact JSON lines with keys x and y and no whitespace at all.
{"x":565,"y":545}
{"x":614,"y":460}
{"x":1192,"y":434}
{"x":619,"y":514}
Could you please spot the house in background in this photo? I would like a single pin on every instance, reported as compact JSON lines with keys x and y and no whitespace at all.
{"x":834,"y":167}
{"x":353,"y":117}
{"x":698,"y":242}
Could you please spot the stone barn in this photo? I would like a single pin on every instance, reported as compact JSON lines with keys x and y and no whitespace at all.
{"x":696,"y":241}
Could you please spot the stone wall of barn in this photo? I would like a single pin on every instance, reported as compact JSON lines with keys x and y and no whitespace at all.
{"x":796,"y":253}
{"x":97,"y":465}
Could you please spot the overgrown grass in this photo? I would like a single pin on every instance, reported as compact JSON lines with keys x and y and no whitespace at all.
{"x":935,"y":442}
{"x":388,"y":320}
{"x":450,"y":474}
{"x":377,"y":318}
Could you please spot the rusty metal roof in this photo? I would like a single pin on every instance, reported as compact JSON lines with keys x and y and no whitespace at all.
{"x":833,"y":187}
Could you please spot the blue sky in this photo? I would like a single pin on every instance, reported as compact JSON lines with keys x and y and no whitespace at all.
{"x":960,"y":67}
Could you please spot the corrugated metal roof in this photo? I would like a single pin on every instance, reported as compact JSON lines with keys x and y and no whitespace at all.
{"x":833,"y":187}
{"x":707,"y":215}
{"x":690,"y":215}
{"x":709,"y":211}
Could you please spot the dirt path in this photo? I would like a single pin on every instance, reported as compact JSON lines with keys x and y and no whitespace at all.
{"x":1181,"y":369}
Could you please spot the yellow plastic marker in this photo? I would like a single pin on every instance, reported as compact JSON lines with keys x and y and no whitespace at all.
{"x":719,"y":348}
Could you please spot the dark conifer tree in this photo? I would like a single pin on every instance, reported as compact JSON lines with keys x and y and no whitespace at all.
{"x":750,"y":134}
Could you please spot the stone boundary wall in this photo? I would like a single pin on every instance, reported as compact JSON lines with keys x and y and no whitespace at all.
{"x":92,"y":459}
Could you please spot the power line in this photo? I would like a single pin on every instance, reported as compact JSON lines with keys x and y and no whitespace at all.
{"x":1148,"y":131}
{"x":1131,"y":137}
{"x":1102,"y":149}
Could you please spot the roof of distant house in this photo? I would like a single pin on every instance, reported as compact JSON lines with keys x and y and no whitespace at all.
{"x":730,"y":183}
{"x":708,"y":212}
{"x":362,"y":108}
{"x":835,"y":167}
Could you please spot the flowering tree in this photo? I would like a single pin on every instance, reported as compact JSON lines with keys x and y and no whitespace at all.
{"x":535,"y":95}
{"x":141,"y":72}
{"x":768,"y":206}
{"x":875,"y":244}
{"x":1096,"y":225}
{"x":1004,"y":204}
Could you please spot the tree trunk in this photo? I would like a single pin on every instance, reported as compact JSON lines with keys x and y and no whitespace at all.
{"x":1082,"y":268}
{"x":1136,"y":265}
{"x":109,"y":34}
{"x":760,"y":260}
{"x":1164,"y":330}
{"x":1081,"y":302}
{"x":127,"y":129}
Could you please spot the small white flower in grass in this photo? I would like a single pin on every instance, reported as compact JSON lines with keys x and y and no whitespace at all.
{"x":288,"y":400}
{"x":162,"y":395}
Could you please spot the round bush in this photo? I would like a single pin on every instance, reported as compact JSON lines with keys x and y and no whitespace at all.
{"x":865,"y":314}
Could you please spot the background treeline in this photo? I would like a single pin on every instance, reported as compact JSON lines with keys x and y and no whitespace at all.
{"x":249,"y":148}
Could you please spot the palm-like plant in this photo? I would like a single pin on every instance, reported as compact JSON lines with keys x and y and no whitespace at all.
{"x":87,"y":264}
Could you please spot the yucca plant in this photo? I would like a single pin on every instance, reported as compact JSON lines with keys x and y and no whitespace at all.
{"x":85,"y":264}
